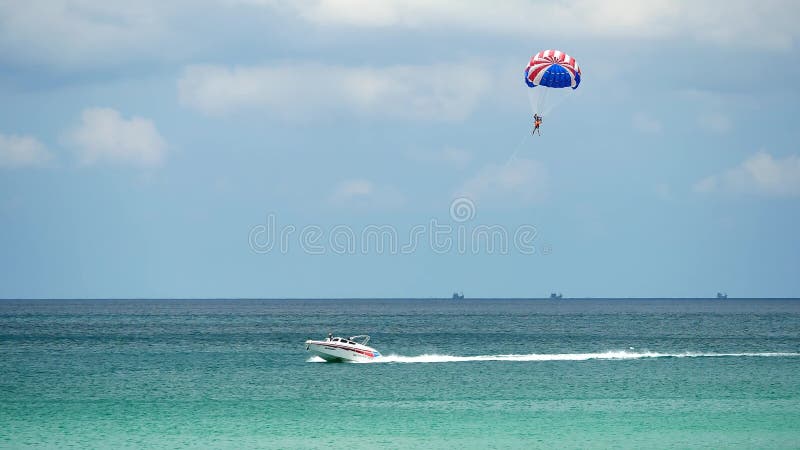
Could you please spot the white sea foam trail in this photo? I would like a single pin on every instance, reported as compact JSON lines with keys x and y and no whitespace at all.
{"x":610,"y":355}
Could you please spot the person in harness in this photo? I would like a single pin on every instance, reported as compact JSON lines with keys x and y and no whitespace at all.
{"x":537,"y":120}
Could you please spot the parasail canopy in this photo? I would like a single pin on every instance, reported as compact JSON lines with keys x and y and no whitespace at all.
{"x":553,"y":69}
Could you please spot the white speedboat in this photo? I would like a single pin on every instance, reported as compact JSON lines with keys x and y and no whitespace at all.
{"x":336,"y":349}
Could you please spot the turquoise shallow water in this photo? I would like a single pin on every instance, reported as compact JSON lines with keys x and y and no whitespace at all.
{"x":472,"y":374}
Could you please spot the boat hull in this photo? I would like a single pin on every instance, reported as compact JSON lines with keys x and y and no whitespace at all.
{"x":336,"y":352}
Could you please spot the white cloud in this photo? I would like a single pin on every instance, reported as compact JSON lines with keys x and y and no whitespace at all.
{"x":363,"y":193}
{"x":759,"y":174}
{"x":733,"y":22}
{"x":715,"y":122}
{"x":354,"y":12}
{"x":79,"y":33}
{"x":511,"y":16}
{"x":301,"y":90}
{"x":349,"y":189}
{"x":105,"y":136}
{"x":449,"y":156}
{"x":22,"y":151}
{"x":521,"y":180}
{"x":71,"y":33}
{"x":646,"y":124}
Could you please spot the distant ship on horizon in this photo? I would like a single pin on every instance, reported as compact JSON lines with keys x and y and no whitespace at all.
{"x":722,"y":295}
{"x":555,"y":296}
{"x":458,"y":296}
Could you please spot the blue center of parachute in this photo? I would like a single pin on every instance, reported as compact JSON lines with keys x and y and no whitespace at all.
{"x":556,"y":76}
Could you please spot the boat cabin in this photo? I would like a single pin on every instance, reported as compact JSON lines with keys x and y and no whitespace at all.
{"x":354,"y":340}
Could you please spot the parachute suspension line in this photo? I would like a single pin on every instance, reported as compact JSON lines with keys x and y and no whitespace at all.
{"x":532,"y":98}
{"x":540,"y":99}
{"x":537,"y":97}
{"x":541,"y":108}
{"x":544,"y":100}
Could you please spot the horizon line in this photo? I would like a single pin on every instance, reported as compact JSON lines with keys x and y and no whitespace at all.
{"x":395,"y":298}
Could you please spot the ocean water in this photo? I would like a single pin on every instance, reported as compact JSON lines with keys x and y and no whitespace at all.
{"x":458,"y":374}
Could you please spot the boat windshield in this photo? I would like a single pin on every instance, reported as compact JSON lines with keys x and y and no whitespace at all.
{"x":354,"y":340}
{"x":360,"y":339}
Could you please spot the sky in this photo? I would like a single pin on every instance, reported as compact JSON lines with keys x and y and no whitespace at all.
{"x":356,"y":148}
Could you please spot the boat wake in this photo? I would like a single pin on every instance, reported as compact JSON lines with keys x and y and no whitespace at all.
{"x":610,"y":355}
